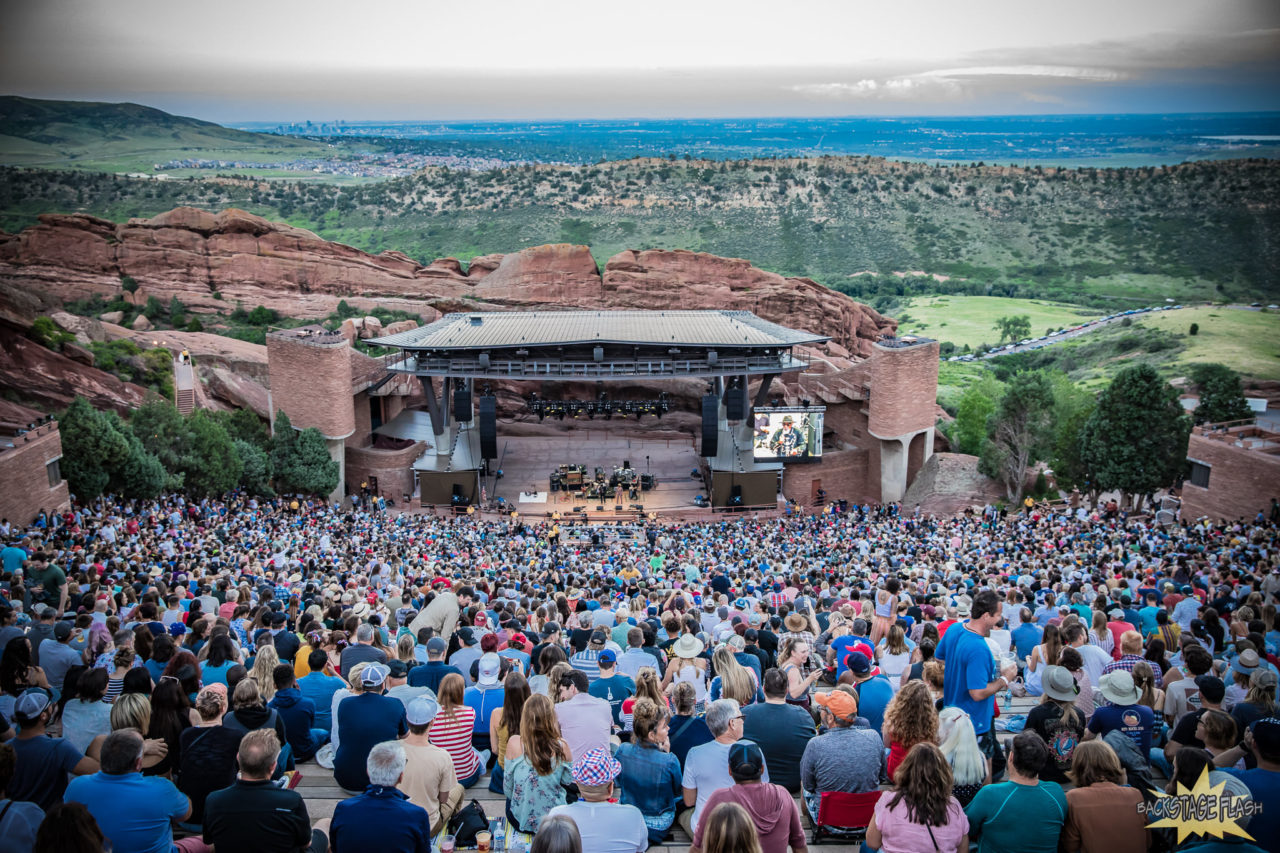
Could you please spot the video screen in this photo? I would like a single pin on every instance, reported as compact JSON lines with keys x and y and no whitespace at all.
{"x":787,"y":435}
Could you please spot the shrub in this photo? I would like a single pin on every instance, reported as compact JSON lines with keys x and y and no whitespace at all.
{"x":1194,"y":330}
{"x":46,"y":333}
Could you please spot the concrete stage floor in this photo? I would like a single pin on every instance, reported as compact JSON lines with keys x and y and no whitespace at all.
{"x":528,"y":461}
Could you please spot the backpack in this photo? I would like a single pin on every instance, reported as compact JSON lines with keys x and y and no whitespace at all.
{"x":468,"y":821}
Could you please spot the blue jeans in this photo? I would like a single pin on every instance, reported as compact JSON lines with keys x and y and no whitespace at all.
{"x":1159,"y":762}
{"x":495,"y":779}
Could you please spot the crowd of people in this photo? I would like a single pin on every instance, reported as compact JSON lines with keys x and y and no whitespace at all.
{"x":170,"y":669}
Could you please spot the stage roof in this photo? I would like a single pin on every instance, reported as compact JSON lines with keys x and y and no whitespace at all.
{"x":496,"y":330}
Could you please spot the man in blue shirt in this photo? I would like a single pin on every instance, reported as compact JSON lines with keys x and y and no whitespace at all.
{"x":1026,"y":636}
{"x":319,"y":685}
{"x":874,"y":691}
{"x":1263,"y":738}
{"x":485,"y":697}
{"x":969,"y":665}
{"x":382,"y":818}
{"x":364,"y":721}
{"x":431,"y":673}
{"x":298,"y":713}
{"x":612,"y":686}
{"x":134,"y":812}
{"x":1124,"y":714}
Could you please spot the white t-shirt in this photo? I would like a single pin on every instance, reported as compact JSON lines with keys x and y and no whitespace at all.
{"x":706,"y":768}
{"x":607,"y":827}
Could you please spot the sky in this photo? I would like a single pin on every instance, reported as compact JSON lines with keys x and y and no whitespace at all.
{"x":321,"y":60}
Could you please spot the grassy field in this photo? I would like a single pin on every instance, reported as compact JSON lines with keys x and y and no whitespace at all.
{"x":1246,"y":341}
{"x":971,"y":319}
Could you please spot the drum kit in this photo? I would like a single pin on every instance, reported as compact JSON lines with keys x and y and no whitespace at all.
{"x":604,"y":486}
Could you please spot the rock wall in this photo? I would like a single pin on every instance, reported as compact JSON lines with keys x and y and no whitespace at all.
{"x":212,"y":261}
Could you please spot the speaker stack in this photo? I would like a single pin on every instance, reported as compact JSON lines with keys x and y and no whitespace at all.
{"x":489,"y":428}
{"x":710,"y":425}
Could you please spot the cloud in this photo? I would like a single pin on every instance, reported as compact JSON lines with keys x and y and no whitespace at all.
{"x":1102,"y":75}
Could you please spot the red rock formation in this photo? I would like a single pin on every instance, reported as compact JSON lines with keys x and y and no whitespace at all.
{"x":196,"y":256}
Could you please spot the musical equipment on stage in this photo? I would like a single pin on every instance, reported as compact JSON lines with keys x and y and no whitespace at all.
{"x":462,"y":408}
{"x":638,"y":507}
{"x":647,"y":482}
{"x":579,"y":509}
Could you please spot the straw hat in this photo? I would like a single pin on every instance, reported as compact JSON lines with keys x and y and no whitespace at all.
{"x":796,"y":622}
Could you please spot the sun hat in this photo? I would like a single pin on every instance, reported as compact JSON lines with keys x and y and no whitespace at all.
{"x":421,"y":710}
{"x":1118,"y":688}
{"x":361,"y":610}
{"x":796,"y":622}
{"x":962,"y":610}
{"x":1246,"y":662}
{"x":595,"y":767}
{"x":840,"y":704}
{"x":688,"y":646}
{"x":1059,"y":684}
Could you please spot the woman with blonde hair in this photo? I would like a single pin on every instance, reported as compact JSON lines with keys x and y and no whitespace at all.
{"x":733,"y":680}
{"x":729,"y":829}
{"x":1102,"y":812}
{"x":970,"y":769}
{"x":893,"y":654}
{"x":793,"y":655}
{"x":553,"y":679}
{"x":647,"y":687}
{"x":909,"y":719}
{"x":264,"y":667}
{"x":1099,"y":634}
{"x":133,"y":711}
{"x":922,"y":813}
{"x":406,"y":650}
{"x":686,"y":667}
{"x":538,"y":762}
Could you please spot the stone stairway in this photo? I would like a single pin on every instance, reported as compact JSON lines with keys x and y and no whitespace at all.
{"x":184,"y":384}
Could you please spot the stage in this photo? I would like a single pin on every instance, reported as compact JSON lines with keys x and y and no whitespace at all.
{"x":528,"y":461}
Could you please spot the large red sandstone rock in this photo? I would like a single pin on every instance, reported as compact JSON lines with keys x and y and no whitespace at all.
{"x":197,"y":255}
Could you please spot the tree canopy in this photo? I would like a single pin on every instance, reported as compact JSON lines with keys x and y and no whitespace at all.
{"x":1136,"y":439}
{"x":1020,"y":431}
{"x":1221,"y":394}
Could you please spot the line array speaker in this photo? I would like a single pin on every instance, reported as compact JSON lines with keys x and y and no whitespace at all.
{"x":462,"y":405}
{"x":710,"y":425}
{"x":488,"y":427}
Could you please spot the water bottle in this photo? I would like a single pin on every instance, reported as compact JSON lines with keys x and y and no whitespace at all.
{"x":500,"y":835}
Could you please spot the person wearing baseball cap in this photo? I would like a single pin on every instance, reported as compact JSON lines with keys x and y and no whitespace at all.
{"x":429,"y":776}
{"x":485,"y":697}
{"x":771,"y":808}
{"x":517,"y":650}
{"x":605,"y":827}
{"x":43,"y":762}
{"x":364,"y":721}
{"x":849,"y":757}
{"x":431,"y":673}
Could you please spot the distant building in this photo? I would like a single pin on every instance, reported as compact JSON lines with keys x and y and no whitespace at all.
{"x":29,"y":469}
{"x":1235,"y":470}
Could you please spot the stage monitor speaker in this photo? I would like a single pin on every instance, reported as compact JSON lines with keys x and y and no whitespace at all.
{"x":579,"y":509}
{"x":457,"y":498}
{"x":646,"y":482}
{"x":488,"y":427}
{"x":600,"y":508}
{"x":462,"y":406}
{"x":735,"y":497}
{"x":735,"y":404}
{"x":710,"y":425}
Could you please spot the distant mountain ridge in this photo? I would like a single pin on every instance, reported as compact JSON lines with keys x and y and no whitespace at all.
{"x":89,"y":134}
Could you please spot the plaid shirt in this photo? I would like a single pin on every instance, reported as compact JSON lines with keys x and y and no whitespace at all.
{"x":1128,"y":662}
{"x":776,"y":599}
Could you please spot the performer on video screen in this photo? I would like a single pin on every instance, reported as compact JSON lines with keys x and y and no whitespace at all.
{"x":787,"y":440}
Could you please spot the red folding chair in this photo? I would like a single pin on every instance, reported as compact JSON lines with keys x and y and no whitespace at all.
{"x":844,"y":817}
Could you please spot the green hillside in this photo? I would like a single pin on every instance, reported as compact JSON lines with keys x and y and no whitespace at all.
{"x":126,"y":137}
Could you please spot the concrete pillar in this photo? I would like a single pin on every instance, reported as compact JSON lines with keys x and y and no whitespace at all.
{"x":893,"y":469}
{"x":338,"y":452}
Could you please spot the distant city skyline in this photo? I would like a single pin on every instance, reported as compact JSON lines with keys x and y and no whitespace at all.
{"x":405,"y":60}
